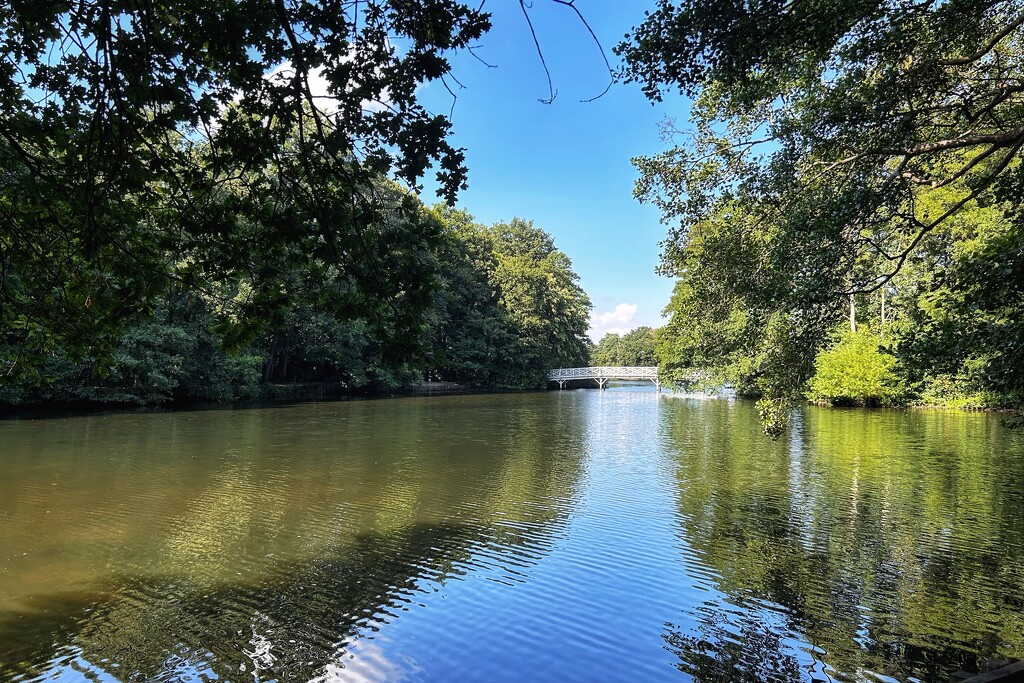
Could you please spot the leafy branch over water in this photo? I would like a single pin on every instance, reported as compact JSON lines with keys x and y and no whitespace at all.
{"x":842,"y":158}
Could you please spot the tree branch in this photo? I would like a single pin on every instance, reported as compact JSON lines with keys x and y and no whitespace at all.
{"x":987,"y":47}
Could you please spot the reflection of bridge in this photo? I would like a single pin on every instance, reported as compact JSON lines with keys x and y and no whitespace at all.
{"x":603,"y":374}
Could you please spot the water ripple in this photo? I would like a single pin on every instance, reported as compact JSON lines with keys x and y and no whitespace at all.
{"x":575,"y":535}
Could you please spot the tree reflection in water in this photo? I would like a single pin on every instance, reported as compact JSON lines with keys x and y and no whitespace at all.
{"x":889,"y":540}
{"x":676,"y":540}
{"x":752,"y":653}
{"x":274,"y":562}
{"x":289,"y":627}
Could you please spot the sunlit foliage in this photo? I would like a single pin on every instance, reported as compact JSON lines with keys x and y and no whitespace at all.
{"x":835,"y":148}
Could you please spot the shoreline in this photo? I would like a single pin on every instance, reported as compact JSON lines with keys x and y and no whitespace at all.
{"x":274,"y":395}
{"x":328,"y":392}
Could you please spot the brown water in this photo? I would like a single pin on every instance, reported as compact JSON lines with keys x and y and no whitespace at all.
{"x":577,"y":535}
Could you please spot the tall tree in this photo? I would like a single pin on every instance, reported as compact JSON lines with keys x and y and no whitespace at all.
{"x":148,"y":143}
{"x":469,"y":335}
{"x":541,"y":296}
{"x":509,"y":307}
{"x":815,"y":126}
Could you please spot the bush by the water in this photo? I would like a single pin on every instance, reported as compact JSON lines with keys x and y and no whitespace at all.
{"x":855,"y":371}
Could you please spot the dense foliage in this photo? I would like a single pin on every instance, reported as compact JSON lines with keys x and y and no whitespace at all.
{"x":193,"y":192}
{"x":633,"y":349}
{"x":505,"y":308}
{"x":509,"y":309}
{"x":840,"y":154}
{"x":229,"y":148}
{"x":856,"y":371}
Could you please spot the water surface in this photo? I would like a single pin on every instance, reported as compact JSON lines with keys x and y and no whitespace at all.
{"x":577,"y":535}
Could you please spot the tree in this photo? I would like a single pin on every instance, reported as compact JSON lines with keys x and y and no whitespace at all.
{"x":171,"y":355}
{"x":606,"y":351}
{"x":508,"y":308}
{"x":635,"y":348}
{"x":145,"y":144}
{"x":199,"y":143}
{"x":638,"y":347}
{"x":504,"y":309}
{"x":816,"y":126}
{"x":541,"y":296}
{"x":956,"y":310}
{"x":469,"y":336}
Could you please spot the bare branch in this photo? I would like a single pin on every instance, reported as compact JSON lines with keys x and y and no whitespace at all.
{"x":604,"y":56}
{"x":552,"y":93}
{"x":472,"y":51}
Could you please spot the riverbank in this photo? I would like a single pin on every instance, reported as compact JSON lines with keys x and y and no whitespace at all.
{"x":268,"y":395}
{"x":302,"y":392}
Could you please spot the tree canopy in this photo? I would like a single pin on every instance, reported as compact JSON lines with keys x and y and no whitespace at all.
{"x":632,"y":349}
{"x":830,"y":144}
{"x":509,"y":308}
{"x":504,"y":308}
{"x":216,"y":147}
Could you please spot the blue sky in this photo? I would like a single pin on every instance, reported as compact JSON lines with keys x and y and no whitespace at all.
{"x":565,"y":165}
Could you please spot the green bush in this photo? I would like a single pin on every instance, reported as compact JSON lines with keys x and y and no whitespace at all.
{"x":963,"y":392}
{"x":855,"y":371}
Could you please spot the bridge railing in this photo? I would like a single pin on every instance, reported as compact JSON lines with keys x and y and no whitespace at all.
{"x":604,"y":372}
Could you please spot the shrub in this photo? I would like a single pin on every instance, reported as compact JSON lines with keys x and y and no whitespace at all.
{"x":855,"y":371}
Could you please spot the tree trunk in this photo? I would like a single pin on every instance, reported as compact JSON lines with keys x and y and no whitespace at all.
{"x":853,"y":315}
{"x":268,"y":368}
{"x":284,"y":362}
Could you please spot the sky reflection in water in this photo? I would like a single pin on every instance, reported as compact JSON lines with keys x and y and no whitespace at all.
{"x":576,"y":535}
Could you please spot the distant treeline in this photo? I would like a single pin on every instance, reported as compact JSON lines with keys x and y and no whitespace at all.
{"x":504,"y":307}
{"x":632,"y":349}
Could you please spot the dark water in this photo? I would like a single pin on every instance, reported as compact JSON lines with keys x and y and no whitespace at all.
{"x":577,"y":535}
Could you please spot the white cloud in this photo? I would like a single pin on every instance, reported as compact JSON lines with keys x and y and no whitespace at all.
{"x":616,"y":321}
{"x":319,"y":88}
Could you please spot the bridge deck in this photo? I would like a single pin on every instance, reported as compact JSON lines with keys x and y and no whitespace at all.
{"x":602,"y":374}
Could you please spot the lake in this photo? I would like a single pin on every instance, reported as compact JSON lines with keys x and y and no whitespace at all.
{"x":622,"y":535}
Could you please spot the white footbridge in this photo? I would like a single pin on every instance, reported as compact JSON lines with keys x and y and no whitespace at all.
{"x":603,"y":374}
